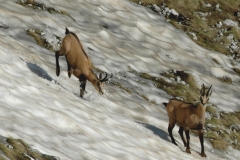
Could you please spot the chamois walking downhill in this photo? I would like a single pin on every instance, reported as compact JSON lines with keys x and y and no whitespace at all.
{"x":79,"y":63}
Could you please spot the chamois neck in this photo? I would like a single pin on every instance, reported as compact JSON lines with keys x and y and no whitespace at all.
{"x":92,"y":77}
{"x":201,"y":108}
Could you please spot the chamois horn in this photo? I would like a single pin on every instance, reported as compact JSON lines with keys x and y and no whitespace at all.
{"x":105,"y":78}
{"x":209,"y":90}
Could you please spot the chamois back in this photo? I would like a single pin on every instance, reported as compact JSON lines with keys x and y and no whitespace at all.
{"x":80,"y":44}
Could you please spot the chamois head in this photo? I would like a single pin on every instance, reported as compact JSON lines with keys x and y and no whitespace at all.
{"x":99,"y":85}
{"x":204,"y":97}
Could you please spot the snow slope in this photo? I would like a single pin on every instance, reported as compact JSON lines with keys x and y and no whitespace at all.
{"x":45,"y":110}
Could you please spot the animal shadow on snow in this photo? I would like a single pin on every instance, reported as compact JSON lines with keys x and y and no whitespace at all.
{"x":161,"y":133}
{"x":43,"y":74}
{"x":39,"y":71}
{"x":164,"y":135}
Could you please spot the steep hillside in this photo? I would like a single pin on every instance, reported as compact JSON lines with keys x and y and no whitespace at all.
{"x":151,"y":61}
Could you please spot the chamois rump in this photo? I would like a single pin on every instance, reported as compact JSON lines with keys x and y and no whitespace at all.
{"x":78,"y":63}
{"x":188,"y":116}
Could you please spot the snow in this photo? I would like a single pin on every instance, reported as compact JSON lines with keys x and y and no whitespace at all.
{"x":46,"y":111}
{"x":174,"y":12}
{"x":208,"y":5}
{"x":231,"y":23}
{"x":219,"y":25}
{"x":217,"y":7}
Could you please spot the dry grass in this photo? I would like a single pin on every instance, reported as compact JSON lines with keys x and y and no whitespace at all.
{"x":120,"y":86}
{"x":147,"y":2}
{"x":41,"y":6}
{"x":4,"y":26}
{"x":225,"y":80}
{"x":212,"y":110}
{"x":220,"y":129}
{"x":237,"y":70}
{"x":19,"y":150}
{"x":189,"y":92}
{"x":36,"y":34}
{"x":145,"y":97}
{"x":219,"y":144}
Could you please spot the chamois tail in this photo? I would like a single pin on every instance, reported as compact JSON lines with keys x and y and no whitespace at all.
{"x":67,"y":31}
{"x":165,"y":104}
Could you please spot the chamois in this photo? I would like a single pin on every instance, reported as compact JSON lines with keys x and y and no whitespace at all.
{"x":188,"y":116}
{"x":78,"y":63}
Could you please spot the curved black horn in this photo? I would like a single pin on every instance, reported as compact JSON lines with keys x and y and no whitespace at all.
{"x":110,"y":76}
{"x":105,"y":78}
{"x":209,"y":90}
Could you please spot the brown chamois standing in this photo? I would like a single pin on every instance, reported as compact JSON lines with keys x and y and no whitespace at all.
{"x":78,"y":63}
{"x":188,"y":116}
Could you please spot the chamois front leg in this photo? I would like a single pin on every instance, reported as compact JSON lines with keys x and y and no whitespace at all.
{"x":83,"y":82}
{"x":181,"y":134}
{"x":188,"y":141}
{"x":69,"y":68}
{"x":170,"y":128}
{"x":57,"y":63}
{"x":200,"y":134}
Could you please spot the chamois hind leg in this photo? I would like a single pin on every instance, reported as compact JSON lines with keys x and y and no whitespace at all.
{"x":188,"y":141}
{"x":182,"y":136}
{"x":200,"y":134}
{"x":57,"y":63}
{"x":83,"y":82}
{"x":170,"y":128}
{"x":69,"y":68}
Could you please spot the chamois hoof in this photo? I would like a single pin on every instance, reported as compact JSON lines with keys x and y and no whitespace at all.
{"x":203,"y":154}
{"x":188,"y":151}
{"x":69,"y":74}
{"x":81,"y":94}
{"x":57,"y":72}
